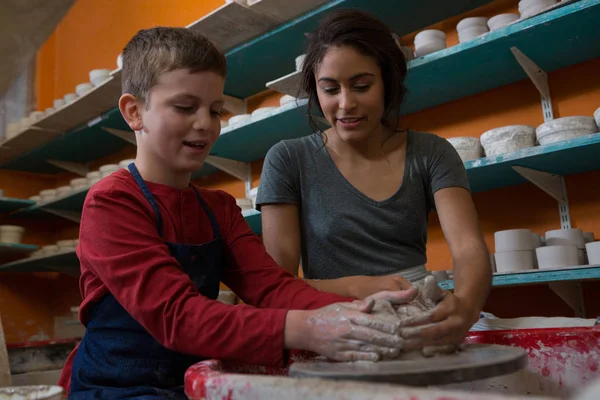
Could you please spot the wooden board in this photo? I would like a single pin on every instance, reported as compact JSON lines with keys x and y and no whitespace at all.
{"x":289,"y":84}
{"x":86,"y":108}
{"x":284,"y":10}
{"x":233,"y":24}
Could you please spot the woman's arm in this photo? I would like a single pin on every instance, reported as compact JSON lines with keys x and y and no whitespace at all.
{"x":281,"y":236}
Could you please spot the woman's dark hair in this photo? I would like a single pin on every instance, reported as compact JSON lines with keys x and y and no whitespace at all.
{"x":369,"y":36}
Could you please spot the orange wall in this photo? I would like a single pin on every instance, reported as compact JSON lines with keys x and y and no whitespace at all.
{"x":92,"y":35}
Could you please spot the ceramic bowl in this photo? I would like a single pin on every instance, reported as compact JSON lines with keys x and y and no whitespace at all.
{"x":501,"y":20}
{"x":557,"y":257}
{"x":593,"y":253}
{"x":64,"y":191}
{"x":562,"y":237}
{"x":468,"y":148}
{"x":472,"y":33}
{"x":428,"y":48}
{"x":77,"y":182}
{"x":429,"y":36}
{"x":11,"y":233}
{"x":597,"y":119}
{"x":37,"y":199}
{"x":471,"y":22}
{"x":58,"y":103}
{"x":534,"y":9}
{"x":579,"y":124}
{"x":513,"y":240}
{"x":286,"y":99}
{"x":300,"y":62}
{"x":83,"y":88}
{"x":70,"y":97}
{"x":120,"y":61}
{"x":238,"y":120}
{"x":262,"y":112}
{"x":35,"y":116}
{"x":93,"y":175}
{"x":507,"y":139}
{"x":31,"y":392}
{"x":515,"y":261}
{"x":50,"y":249}
{"x":97,"y":76}
{"x":49,"y":110}
{"x":109,"y":168}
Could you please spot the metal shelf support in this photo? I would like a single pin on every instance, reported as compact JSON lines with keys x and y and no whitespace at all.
{"x":237,"y":169}
{"x":539,"y":78}
{"x":554,"y":186}
{"x":76,"y":168}
{"x":127,"y":136}
{"x":571,"y":294}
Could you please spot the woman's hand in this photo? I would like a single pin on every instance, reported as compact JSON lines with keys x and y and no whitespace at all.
{"x":346,"y":331}
{"x":447,"y":324}
{"x":362,"y":287}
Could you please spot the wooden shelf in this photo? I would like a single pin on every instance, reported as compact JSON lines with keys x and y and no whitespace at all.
{"x":559,"y":38}
{"x":65,"y":262}
{"x":9,"y":205}
{"x":11,"y":249}
{"x":534,"y":277}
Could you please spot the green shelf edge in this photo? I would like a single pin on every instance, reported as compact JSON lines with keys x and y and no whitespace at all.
{"x":253,"y":218}
{"x":271,"y":55}
{"x":17,"y":246}
{"x":538,"y":277}
{"x":8,"y":204}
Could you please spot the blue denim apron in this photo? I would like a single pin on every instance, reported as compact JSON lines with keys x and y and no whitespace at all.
{"x":117,"y":358}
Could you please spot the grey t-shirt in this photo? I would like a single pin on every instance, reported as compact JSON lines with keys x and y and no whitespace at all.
{"x":346,"y":233}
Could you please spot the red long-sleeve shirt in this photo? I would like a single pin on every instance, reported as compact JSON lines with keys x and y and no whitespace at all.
{"x":121,"y":251}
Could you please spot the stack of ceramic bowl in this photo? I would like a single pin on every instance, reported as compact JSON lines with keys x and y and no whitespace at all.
{"x":515,"y":250}
{"x":93,"y":177}
{"x":287,"y":101}
{"x":501,"y":20}
{"x":108,"y":169}
{"x":239,"y":120}
{"x":79,"y":184}
{"x":597,"y":118}
{"x":593,"y":252}
{"x":252,"y":196}
{"x":529,"y":8}
{"x":12,"y":130}
{"x":507,"y":139}
{"x":429,"y":41}
{"x":564,"y":248}
{"x":470,"y":28}
{"x":300,"y":62}
{"x":63,"y":191}
{"x":262,"y":113}
{"x":565,"y":128}
{"x":468,"y":148}
{"x":48,"y":195}
{"x":97,"y":76}
{"x":11,"y":233}
{"x":67,"y":245}
{"x":83,"y":88}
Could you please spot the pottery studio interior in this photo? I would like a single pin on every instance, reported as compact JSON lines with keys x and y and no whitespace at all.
{"x":377,"y":199}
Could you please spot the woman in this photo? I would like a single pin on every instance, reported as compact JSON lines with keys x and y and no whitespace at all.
{"x":352,"y":202}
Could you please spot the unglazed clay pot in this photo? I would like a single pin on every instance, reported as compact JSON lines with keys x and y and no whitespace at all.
{"x":564,"y":129}
{"x":515,"y":261}
{"x":468,"y":148}
{"x":513,"y":240}
{"x":507,"y":139}
{"x":561,"y":237}
{"x":593,"y":253}
{"x":557,"y":257}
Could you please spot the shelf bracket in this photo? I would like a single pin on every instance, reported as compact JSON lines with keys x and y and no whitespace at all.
{"x":237,"y":169}
{"x":127,"y":136}
{"x":554,"y":186}
{"x":74,"y":216}
{"x":76,"y":168}
{"x":539,"y":78}
{"x":572,"y":294}
{"x":235,"y":106}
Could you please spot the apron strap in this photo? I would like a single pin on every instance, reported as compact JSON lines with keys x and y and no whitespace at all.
{"x":213,"y":220}
{"x":148,"y":195}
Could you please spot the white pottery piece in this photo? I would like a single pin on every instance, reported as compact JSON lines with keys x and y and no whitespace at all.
{"x":120,"y":61}
{"x":593,"y":253}
{"x":109,"y":168}
{"x":78,"y":182}
{"x":83,"y":88}
{"x":286,"y":99}
{"x":50,"y":249}
{"x":588,"y":237}
{"x":35,"y":116}
{"x":49,"y":110}
{"x":97,"y":76}
{"x":597,"y":119}
{"x":515,"y":261}
{"x":472,"y":33}
{"x":37,"y":199}
{"x":33,"y":392}
{"x":557,"y":256}
{"x":471,"y":22}
{"x":429,"y":36}
{"x":58,"y":103}
{"x":125,"y":163}
{"x":468,"y":148}
{"x":565,"y":128}
{"x":12,"y":129}
{"x":529,"y":8}
{"x":64,"y":191}
{"x":11,"y":233}
{"x":262,"y":112}
{"x":513,"y":240}
{"x":561,"y":237}
{"x":93,"y":175}
{"x":93,"y":181}
{"x":70,"y":97}
{"x":429,"y":47}
{"x":502,"y":20}
{"x":507,"y":139}
{"x":300,"y":62}
{"x":238,"y":120}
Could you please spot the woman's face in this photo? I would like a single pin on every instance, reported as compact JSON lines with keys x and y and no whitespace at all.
{"x":351,"y":93}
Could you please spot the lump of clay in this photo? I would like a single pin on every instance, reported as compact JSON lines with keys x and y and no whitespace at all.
{"x":429,"y":296}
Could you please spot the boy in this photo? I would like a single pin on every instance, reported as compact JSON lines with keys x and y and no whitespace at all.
{"x":153,"y":249}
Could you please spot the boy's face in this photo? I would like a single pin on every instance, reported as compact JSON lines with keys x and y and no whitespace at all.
{"x":181,"y":119}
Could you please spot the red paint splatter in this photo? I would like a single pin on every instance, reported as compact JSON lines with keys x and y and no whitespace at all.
{"x":545,"y":371}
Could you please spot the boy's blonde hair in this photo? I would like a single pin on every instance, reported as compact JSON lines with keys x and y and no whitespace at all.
{"x":155,"y":51}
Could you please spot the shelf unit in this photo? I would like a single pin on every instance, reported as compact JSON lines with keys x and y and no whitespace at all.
{"x":65,"y":262}
{"x":8,"y":205}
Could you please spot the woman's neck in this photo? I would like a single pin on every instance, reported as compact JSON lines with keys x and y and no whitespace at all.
{"x":374,"y":147}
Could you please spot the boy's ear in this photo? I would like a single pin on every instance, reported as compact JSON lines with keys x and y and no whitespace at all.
{"x":130,"y":110}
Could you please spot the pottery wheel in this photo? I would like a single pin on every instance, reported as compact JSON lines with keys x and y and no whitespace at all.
{"x":473,"y":362}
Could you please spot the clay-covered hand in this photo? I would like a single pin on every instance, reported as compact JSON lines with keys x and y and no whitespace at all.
{"x":362,"y":287}
{"x":447,"y":324}
{"x":350,"y":332}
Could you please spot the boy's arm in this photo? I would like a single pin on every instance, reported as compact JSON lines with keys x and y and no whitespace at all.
{"x":254,"y":276}
{"x":119,"y":243}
